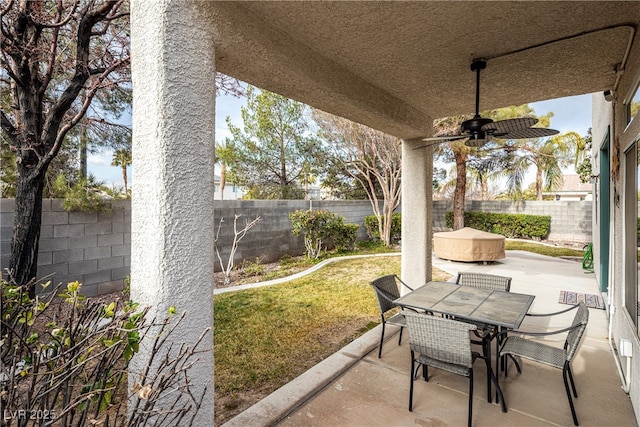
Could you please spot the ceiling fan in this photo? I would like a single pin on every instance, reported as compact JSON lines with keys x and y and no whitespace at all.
{"x":480,"y":130}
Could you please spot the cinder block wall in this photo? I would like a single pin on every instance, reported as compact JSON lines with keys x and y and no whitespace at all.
{"x":95,"y":249}
{"x":570,"y":220}
{"x":272,"y":238}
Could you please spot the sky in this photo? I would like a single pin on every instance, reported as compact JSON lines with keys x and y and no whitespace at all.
{"x":569,"y":114}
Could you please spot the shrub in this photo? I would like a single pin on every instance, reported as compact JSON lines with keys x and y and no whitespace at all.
{"x":66,"y":360}
{"x":371,"y":224}
{"x":344,"y":236}
{"x":508,"y":225}
{"x":323,"y":229}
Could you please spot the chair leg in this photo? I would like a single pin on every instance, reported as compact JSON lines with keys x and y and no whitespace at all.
{"x":381,"y":340}
{"x":565,"y":374}
{"x":573,"y":385}
{"x":470,"y":397}
{"x":413,"y":362}
{"x":506,"y":364}
{"x":400,"y":339}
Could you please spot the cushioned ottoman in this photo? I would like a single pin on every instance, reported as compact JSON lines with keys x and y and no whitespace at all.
{"x":468,"y":244}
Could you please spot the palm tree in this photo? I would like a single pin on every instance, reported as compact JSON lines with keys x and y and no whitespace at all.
{"x":548,"y":156}
{"x":459,"y":151}
{"x":122,"y":158}
{"x":487,"y":166}
{"x":224,"y":157}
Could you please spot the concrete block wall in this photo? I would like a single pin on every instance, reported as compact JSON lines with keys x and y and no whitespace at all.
{"x":570,"y":220}
{"x":272,"y":238}
{"x":93,"y":248}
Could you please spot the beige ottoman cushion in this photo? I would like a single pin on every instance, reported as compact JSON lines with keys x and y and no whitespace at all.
{"x":468,"y":244}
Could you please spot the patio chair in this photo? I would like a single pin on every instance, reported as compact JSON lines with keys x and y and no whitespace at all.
{"x":444,"y":344}
{"x":484,"y":281}
{"x":387,"y":290}
{"x":516,"y":345}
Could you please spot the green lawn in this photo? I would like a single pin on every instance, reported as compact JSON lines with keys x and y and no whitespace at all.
{"x":542,"y":249}
{"x":265,"y":337}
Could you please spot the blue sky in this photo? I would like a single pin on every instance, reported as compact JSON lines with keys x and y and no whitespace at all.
{"x":569,"y":114}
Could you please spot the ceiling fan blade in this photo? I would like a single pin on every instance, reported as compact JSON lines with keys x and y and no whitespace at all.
{"x":440,"y":140}
{"x":445,"y":138}
{"x":528,"y":133}
{"x":509,"y":125}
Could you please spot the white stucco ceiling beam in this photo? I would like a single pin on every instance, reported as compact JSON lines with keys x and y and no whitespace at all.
{"x":305,"y":75}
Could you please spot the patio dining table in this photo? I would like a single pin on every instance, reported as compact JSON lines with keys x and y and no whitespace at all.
{"x":498,"y":310}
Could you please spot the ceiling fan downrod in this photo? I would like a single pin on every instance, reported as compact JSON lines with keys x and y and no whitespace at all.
{"x":478,"y":65}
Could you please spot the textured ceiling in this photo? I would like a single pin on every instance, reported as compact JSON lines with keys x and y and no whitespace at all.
{"x":395,"y":66}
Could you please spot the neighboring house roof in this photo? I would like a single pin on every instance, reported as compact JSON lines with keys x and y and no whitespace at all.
{"x":572,"y":189}
{"x":573,"y":185}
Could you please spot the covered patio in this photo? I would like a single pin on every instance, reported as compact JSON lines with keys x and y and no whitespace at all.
{"x":393,"y":66}
{"x":355,"y":388}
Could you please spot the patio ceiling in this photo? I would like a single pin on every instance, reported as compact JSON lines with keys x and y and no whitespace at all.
{"x":395,"y":66}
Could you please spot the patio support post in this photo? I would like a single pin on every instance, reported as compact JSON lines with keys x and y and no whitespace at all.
{"x":417,"y":207}
{"x":172,"y":205}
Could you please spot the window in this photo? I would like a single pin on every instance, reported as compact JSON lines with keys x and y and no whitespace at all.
{"x":631,"y":232}
{"x":632,"y":103}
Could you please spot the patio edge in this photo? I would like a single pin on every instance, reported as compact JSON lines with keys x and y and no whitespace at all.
{"x":285,"y":400}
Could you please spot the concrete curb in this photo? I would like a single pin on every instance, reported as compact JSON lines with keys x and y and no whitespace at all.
{"x":288,"y":398}
{"x":300,"y":274}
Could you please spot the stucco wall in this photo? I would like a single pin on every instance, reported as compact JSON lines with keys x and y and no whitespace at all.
{"x":622,"y":326}
{"x":96,"y":248}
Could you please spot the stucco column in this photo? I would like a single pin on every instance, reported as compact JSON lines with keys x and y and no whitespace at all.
{"x":417,"y":208}
{"x":172,"y":204}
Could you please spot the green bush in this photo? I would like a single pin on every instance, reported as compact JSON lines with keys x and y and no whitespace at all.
{"x":84,"y":195}
{"x":323,"y":229}
{"x":508,"y":225}
{"x":371,"y":224}
{"x":344,"y":236}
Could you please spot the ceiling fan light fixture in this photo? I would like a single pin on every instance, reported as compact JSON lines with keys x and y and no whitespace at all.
{"x":477,"y":140}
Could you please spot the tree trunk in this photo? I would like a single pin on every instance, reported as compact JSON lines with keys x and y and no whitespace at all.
{"x":223,"y":179}
{"x":485,"y":189}
{"x":23,"y":263}
{"x":124,"y":177}
{"x":461,"y":187}
{"x":83,"y":151}
{"x":539,"y":184}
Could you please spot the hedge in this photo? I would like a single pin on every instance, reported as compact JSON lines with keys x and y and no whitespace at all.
{"x":508,"y":225}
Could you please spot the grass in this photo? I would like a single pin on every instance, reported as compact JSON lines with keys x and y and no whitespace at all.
{"x":292,"y":264}
{"x":554,"y":251}
{"x":266,"y":337}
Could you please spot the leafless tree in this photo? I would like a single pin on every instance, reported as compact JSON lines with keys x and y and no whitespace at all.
{"x":237,"y":236}
{"x":373,"y":159}
{"x":58,"y":57}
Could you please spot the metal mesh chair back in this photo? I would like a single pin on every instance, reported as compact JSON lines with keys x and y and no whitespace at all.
{"x":484,"y":281}
{"x":387,"y":290}
{"x":575,"y":336}
{"x":440,"y":339}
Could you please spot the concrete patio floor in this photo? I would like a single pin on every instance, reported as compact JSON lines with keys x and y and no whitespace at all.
{"x":355,"y":388}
